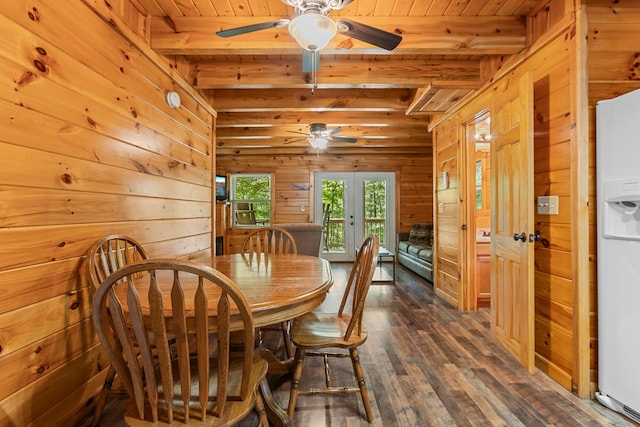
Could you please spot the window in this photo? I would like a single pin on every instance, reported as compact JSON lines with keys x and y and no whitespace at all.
{"x":251,"y":199}
{"x":479,"y":178}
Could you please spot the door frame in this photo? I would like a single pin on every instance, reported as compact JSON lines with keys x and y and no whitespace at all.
{"x":470,"y":287}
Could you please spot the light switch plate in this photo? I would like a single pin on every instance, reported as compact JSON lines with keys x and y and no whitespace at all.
{"x":547,"y":205}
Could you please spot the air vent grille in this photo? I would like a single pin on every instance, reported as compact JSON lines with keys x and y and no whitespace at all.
{"x":634,"y":415}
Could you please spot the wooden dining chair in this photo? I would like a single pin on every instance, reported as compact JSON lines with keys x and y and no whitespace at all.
{"x":319,"y":334}
{"x":198,"y":383}
{"x":106,"y":256}
{"x":262,"y":243}
{"x":326,"y":218}
{"x":269,"y":240}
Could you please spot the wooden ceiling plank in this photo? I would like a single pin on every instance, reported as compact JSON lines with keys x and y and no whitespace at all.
{"x":151,"y":7}
{"x":402,"y":7}
{"x":241,"y":8}
{"x":188,"y":8}
{"x":205,"y":7}
{"x":420,"y":7}
{"x":365,"y":8}
{"x":169,"y":7}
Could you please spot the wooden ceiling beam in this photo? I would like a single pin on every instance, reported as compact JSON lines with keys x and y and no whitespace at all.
{"x":263,"y":100}
{"x":415,"y":142}
{"x":457,"y":35}
{"x":331,"y":150}
{"x":293,"y":131}
{"x":333,"y":72}
{"x":330,"y":118}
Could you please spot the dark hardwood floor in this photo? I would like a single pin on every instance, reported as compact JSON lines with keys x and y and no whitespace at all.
{"x":427,"y":364}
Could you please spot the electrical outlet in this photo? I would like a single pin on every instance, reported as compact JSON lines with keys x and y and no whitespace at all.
{"x":302,"y":208}
{"x":547,"y":205}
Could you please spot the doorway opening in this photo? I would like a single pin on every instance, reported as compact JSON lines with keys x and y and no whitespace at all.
{"x":479,"y":210}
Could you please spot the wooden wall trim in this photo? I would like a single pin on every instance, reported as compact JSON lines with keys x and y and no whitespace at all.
{"x":580,"y":230}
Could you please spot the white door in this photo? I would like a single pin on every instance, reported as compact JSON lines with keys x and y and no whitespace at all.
{"x":360,"y":203}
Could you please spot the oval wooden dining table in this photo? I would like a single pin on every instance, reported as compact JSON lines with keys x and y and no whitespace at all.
{"x":278,"y":288}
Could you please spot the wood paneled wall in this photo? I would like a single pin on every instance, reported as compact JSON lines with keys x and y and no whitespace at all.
{"x":293,"y":184}
{"x":88,"y":147}
{"x":555,"y":172}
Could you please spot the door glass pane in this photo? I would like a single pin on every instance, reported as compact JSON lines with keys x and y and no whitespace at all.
{"x":333,"y":196}
{"x":375,"y":208}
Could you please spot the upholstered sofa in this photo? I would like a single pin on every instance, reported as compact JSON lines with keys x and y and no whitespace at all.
{"x":415,"y":249}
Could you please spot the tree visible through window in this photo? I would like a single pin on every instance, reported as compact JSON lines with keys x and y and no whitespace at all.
{"x":251,"y":199}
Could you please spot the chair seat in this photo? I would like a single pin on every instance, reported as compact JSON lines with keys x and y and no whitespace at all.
{"x":236,"y":409}
{"x":317,"y":330}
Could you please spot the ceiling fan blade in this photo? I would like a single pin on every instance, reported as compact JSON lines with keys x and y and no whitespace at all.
{"x":310,"y":60}
{"x":301,"y":133}
{"x":368,"y":34}
{"x":254,"y":27}
{"x":343,"y":139}
{"x":296,"y":140}
{"x":334,"y":130}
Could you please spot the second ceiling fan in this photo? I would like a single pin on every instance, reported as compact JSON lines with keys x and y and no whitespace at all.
{"x":313,"y":29}
{"x":319,"y":136}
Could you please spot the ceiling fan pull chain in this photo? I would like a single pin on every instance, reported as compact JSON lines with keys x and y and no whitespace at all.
{"x":314,"y":72}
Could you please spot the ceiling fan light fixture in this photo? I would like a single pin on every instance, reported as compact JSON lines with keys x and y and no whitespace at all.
{"x":312,"y":30}
{"x":318,"y":142}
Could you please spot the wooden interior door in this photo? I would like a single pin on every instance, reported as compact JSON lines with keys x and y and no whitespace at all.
{"x":512,"y":284}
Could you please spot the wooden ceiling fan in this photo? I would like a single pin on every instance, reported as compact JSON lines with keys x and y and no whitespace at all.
{"x":313,"y":29}
{"x":319,"y":136}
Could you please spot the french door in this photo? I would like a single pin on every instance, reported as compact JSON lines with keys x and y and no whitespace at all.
{"x":352,"y":205}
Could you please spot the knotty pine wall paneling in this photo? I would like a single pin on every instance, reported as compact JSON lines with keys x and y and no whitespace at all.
{"x":555,"y":167}
{"x":88,"y":147}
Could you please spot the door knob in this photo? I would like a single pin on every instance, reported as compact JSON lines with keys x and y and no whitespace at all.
{"x":534,"y":237}
{"x":522,"y":237}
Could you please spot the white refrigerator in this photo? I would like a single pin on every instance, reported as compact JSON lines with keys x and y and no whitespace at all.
{"x":618,"y":197}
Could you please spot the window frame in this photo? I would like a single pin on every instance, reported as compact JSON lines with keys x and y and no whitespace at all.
{"x":233,"y":178}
